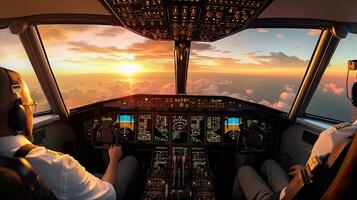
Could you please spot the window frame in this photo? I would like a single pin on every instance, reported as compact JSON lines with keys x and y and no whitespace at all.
{"x":41,"y":113}
{"x":320,"y":117}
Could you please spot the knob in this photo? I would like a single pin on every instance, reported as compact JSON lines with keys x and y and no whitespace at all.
{"x":209,"y":13}
{"x":237,"y":15}
{"x":219,"y":14}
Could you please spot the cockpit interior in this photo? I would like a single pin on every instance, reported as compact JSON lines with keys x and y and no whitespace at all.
{"x":193,"y":89}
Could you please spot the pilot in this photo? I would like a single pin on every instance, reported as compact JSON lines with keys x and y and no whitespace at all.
{"x":275,"y":179}
{"x":61,"y":173}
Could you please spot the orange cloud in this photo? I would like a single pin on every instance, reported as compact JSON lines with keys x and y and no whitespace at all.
{"x":149,"y":49}
{"x":276,"y":59}
{"x":84,"y":47}
{"x":276,"y":63}
{"x":59,"y":33}
{"x":249,"y":91}
{"x":112,"y":32}
{"x":152,"y":55}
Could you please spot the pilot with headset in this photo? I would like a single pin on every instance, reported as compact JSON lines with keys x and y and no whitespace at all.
{"x":275,"y":180}
{"x":61,"y":173}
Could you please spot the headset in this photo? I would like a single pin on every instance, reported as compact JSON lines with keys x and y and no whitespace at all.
{"x":352,"y":66}
{"x":354,"y":95}
{"x":17,"y":115}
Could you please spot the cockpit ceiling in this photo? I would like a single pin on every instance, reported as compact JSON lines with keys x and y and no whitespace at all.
{"x":196,"y":20}
{"x":230,"y":19}
{"x":22,"y":8}
{"x":331,"y":10}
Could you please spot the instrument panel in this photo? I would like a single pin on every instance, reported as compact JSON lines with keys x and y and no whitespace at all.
{"x":189,"y":120}
{"x":169,"y":128}
{"x":185,"y":128}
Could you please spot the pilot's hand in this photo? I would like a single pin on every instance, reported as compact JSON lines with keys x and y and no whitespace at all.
{"x":295,"y":170}
{"x":115,"y":153}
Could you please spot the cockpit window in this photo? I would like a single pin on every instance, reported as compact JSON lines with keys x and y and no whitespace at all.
{"x":330,"y":99}
{"x":265,"y":66}
{"x":13,"y":57}
{"x":96,"y":62}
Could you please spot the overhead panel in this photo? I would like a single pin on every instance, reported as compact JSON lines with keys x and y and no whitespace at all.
{"x":193,"y":20}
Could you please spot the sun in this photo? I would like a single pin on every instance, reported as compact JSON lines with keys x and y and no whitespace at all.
{"x":129,"y":68}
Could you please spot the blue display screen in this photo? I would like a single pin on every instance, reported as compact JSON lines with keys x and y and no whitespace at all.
{"x":125,"y":118}
{"x":232,"y":121}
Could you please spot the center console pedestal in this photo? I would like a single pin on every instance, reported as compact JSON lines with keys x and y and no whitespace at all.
{"x":179,"y":173}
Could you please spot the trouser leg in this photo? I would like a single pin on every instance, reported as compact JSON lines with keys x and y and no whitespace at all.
{"x":275,"y":175}
{"x":127,"y":170}
{"x":237,"y":190}
{"x":252,"y":185}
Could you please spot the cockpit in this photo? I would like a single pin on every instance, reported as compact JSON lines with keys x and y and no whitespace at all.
{"x":193,"y":89}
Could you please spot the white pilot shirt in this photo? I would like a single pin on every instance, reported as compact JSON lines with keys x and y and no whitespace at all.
{"x":327,"y":141}
{"x":61,"y":173}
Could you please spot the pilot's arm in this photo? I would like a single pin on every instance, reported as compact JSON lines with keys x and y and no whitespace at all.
{"x":110,"y":175}
{"x":331,"y":137}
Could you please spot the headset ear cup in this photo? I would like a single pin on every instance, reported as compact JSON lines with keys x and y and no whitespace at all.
{"x":17,"y":118}
{"x":354,"y":94}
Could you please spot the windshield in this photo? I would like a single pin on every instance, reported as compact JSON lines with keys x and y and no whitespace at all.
{"x":264,"y":66}
{"x":95,"y":62}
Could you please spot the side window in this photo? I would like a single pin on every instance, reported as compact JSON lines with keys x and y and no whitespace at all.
{"x":330,"y":99}
{"x":13,"y":57}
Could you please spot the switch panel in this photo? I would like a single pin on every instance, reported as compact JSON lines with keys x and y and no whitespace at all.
{"x":192,"y":20}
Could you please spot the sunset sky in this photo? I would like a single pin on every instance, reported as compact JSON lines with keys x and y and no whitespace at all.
{"x":96,"y":62}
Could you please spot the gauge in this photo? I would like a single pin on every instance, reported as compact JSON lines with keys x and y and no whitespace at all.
{"x":179,"y":128}
{"x":144,"y":128}
{"x":214,"y":129}
{"x":161,"y":129}
{"x":197,"y":128}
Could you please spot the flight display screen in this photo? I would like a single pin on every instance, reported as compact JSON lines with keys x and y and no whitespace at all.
{"x":231,"y":128}
{"x":197,"y":129}
{"x":161,"y":129}
{"x":214,"y":129}
{"x":144,"y":128}
{"x":179,"y":128}
{"x":126,"y":124}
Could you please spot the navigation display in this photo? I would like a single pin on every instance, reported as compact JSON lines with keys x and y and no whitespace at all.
{"x":161,"y":129}
{"x":144,"y":128}
{"x":197,"y":128}
{"x":231,"y":128}
{"x":179,"y":128}
{"x":214,"y":129}
{"x":125,"y":123}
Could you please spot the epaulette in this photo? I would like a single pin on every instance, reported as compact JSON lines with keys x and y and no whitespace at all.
{"x":342,"y":125}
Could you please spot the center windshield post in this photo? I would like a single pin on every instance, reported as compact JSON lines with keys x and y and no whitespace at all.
{"x":182,"y":55}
